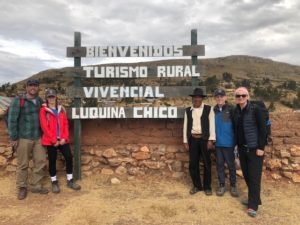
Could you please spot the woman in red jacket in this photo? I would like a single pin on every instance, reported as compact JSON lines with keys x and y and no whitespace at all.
{"x":54,"y":124}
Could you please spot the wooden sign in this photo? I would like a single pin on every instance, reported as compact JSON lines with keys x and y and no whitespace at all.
{"x":132,"y":91}
{"x":162,"y":112}
{"x":136,"y":51}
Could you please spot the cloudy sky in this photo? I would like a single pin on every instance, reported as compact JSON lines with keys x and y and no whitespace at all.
{"x":34,"y":34}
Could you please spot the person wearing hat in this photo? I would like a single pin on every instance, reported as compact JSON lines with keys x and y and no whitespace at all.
{"x":25,"y":136}
{"x":198,"y":138}
{"x":225,"y":142}
{"x":54,"y":124}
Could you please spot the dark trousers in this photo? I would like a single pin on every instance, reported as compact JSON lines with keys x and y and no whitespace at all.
{"x":198,"y":149}
{"x":52,"y":155}
{"x":251,"y":166}
{"x":226,"y":155}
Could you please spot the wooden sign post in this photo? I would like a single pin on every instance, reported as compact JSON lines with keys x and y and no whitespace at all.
{"x":139,"y":72}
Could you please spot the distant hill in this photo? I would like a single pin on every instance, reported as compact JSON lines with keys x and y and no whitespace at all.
{"x":240,"y":66}
{"x":254,"y":69}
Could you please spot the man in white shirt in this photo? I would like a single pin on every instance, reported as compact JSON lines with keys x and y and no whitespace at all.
{"x":198,"y":138}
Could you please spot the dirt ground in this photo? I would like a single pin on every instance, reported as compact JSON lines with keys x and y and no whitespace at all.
{"x":152,"y":201}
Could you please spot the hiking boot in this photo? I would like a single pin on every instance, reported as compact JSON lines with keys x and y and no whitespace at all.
{"x":71,"y":184}
{"x":251,"y":212}
{"x":221,"y":190}
{"x":194,"y":190}
{"x":208,"y":192}
{"x":39,"y":190}
{"x":55,"y":187}
{"x":22,"y":193}
{"x":234,"y":192}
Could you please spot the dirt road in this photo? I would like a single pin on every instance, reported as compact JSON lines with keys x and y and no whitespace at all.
{"x":150,"y":201}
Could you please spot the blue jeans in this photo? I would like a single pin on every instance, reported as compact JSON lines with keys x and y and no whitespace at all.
{"x":225,"y":154}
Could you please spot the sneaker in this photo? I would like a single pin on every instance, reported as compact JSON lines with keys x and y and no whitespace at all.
{"x":71,"y":184}
{"x":22,"y":193}
{"x":39,"y":190}
{"x":55,"y":187}
{"x":194,"y":190}
{"x":221,"y":190}
{"x":234,"y":192}
{"x":251,"y":212}
{"x":208,"y":192}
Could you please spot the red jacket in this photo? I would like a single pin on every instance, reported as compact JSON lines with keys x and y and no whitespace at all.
{"x":49,"y":125}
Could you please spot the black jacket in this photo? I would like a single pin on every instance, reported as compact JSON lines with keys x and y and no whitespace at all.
{"x":250,"y":126}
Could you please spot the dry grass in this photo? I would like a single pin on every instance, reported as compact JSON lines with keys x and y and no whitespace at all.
{"x":152,"y":200}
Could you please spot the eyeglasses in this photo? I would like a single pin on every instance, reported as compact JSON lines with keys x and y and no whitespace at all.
{"x":243,"y":96}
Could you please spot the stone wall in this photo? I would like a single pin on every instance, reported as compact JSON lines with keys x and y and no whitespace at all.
{"x":132,"y":147}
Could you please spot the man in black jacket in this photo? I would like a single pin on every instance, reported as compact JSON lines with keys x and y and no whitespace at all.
{"x":198,"y":137}
{"x":250,"y":130}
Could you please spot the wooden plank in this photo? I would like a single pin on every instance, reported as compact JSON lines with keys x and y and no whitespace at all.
{"x":120,"y":92}
{"x":194,"y":57}
{"x":77,"y":122}
{"x":163,"y":71}
{"x":136,"y":51}
{"x":162,"y":112}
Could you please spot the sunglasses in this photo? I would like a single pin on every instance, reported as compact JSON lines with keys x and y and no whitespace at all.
{"x":243,"y":96}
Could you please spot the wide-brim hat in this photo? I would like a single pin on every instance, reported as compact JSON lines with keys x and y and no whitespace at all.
{"x":198,"y":92}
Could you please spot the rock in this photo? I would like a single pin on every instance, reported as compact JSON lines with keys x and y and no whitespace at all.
{"x":285,"y":154}
{"x":98,"y":152}
{"x":273,"y":164}
{"x":132,"y":171}
{"x":87,"y":173}
{"x":2,"y":150}
{"x":124,"y":152}
{"x":115,"y":180}
{"x":295,"y":166}
{"x":170,"y":155}
{"x":86,"y":159}
{"x":287,"y":174}
{"x":95,"y":164}
{"x":103,"y":160}
{"x":3,"y":160}
{"x":161,"y":149}
{"x":130,"y":178}
{"x":154,"y":165}
{"x":144,"y":149}
{"x":276,"y":176}
{"x":141,"y":155}
{"x":92,"y":151}
{"x":296,"y":178}
{"x":295,"y":159}
{"x":178,"y":174}
{"x":106,"y":171}
{"x":155,"y":156}
{"x":121,"y":170}
{"x":176,"y":166}
{"x":295,"y":150}
{"x":285,"y":161}
{"x":11,"y":168}
{"x":182,"y":157}
{"x":114,"y":161}
{"x":172,"y":149}
{"x":85,"y":167}
{"x":109,"y":153}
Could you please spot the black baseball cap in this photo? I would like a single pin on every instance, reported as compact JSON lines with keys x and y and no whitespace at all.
{"x":219,"y":92}
{"x":33,"y":81}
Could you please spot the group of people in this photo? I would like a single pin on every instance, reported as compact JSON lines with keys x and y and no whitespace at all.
{"x":224,"y":127}
{"x":36,"y":127}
